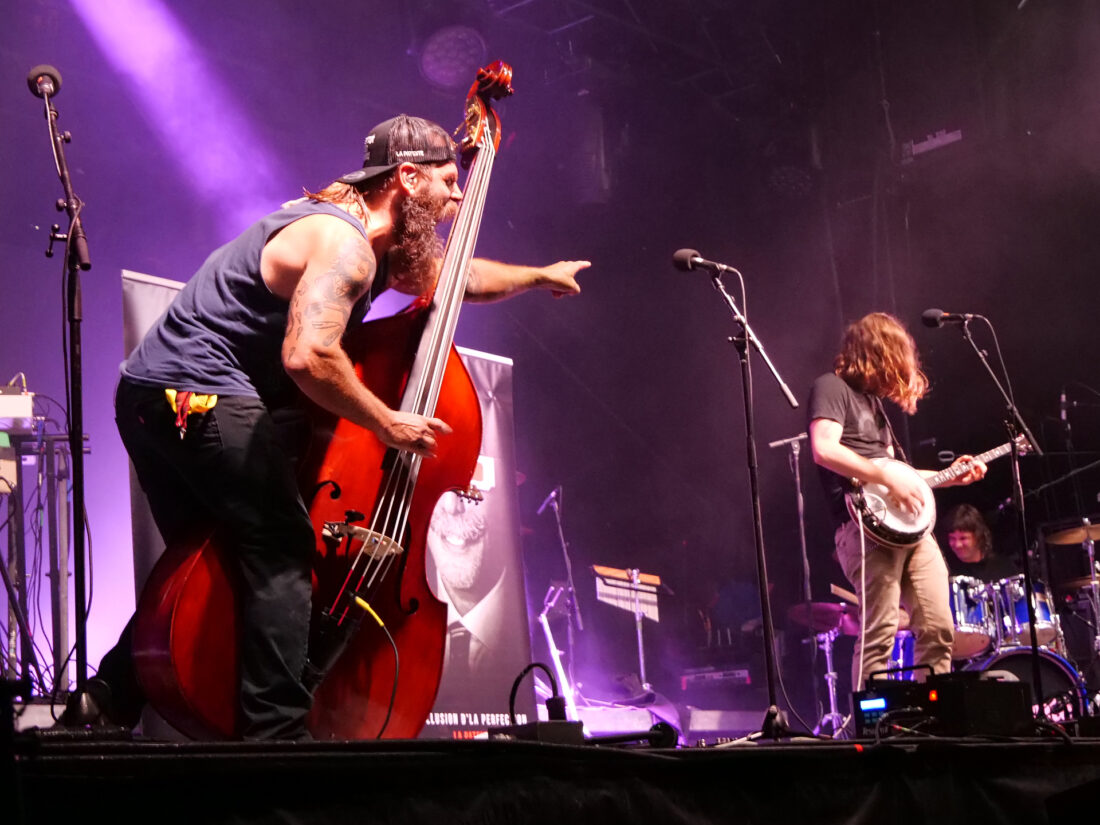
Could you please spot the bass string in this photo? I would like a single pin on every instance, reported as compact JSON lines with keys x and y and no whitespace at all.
{"x":450,"y":298}
{"x":465,"y":241}
{"x":365,"y":567}
{"x":390,"y":517}
{"x":449,"y":295}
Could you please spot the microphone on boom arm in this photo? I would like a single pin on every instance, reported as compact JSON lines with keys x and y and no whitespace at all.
{"x":552,"y":497}
{"x":937,"y":317}
{"x":689,"y":259}
{"x":44,"y":80}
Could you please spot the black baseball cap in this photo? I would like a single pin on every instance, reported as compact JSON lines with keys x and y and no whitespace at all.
{"x":402,"y":139}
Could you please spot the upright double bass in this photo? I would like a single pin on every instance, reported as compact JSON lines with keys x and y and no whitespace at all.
{"x":377,"y":632}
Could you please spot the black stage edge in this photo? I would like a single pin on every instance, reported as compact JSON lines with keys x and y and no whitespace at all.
{"x":412,"y":782}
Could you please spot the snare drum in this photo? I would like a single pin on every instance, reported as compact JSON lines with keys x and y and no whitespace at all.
{"x":1013,"y":609}
{"x":972,"y":608}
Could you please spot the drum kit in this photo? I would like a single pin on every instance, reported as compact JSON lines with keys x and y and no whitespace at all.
{"x":993,"y":635}
{"x":992,"y":630}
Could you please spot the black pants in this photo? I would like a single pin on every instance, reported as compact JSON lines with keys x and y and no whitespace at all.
{"x":235,"y":470}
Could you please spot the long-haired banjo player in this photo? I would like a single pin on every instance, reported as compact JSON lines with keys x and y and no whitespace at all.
{"x":894,"y":559}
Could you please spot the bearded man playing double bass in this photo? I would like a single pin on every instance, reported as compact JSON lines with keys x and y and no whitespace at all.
{"x":206,"y":403}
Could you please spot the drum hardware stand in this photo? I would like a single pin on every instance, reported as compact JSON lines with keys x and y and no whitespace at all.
{"x":774,"y":724}
{"x":834,"y":718}
{"x":45,"y":82}
{"x":1016,"y":425}
{"x":1094,"y":586}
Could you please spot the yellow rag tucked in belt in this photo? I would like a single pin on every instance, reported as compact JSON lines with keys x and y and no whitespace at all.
{"x":183,"y":403}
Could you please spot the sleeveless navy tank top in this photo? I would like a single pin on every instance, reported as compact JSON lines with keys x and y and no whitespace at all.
{"x":224,"y":331}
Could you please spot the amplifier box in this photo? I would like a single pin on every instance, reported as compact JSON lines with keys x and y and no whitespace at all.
{"x":708,"y":676}
{"x":713,"y":726}
{"x":957,"y":704}
{"x":16,"y":410}
{"x":602,"y":721}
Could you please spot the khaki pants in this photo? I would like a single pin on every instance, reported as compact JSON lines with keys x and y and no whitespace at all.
{"x":915,"y":577}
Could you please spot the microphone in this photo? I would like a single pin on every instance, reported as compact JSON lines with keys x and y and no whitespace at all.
{"x":688,"y":259}
{"x":44,"y":80}
{"x":937,"y":317}
{"x":552,"y":496}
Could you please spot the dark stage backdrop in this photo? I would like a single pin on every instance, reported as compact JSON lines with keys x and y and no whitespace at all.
{"x":778,"y":137}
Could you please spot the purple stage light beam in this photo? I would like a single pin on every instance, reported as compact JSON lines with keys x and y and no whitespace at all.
{"x":191,"y":109}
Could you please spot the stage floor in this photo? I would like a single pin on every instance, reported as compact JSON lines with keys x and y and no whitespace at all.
{"x":48,"y":779}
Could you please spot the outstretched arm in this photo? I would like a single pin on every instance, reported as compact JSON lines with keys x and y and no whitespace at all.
{"x":494,"y":281}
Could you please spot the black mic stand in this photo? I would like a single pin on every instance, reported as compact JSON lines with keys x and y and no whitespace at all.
{"x":1016,"y":425}
{"x":795,"y":445}
{"x":45,"y":81}
{"x":775,"y":723}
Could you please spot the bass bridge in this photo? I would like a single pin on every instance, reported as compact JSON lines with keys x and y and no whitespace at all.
{"x":374,"y":544}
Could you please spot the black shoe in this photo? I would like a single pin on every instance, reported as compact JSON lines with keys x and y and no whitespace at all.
{"x":89,"y":708}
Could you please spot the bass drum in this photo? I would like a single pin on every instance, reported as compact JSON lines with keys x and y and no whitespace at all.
{"x":1063,"y":690}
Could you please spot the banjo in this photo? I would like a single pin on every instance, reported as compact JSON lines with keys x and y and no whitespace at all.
{"x":884,"y":522}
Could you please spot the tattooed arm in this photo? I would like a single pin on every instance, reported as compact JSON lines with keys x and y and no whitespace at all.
{"x":323,"y":266}
{"x":492,"y":280}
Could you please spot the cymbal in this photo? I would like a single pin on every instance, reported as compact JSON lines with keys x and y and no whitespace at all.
{"x":1075,"y":535}
{"x":821,"y":617}
{"x":1075,"y":584}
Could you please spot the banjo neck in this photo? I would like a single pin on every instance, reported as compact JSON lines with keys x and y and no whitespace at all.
{"x":953,"y":472}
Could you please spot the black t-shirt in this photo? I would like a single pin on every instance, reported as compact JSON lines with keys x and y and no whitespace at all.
{"x":866,"y":431}
{"x":990,"y":569}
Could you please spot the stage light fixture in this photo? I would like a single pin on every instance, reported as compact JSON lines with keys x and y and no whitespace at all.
{"x":451,"y":56}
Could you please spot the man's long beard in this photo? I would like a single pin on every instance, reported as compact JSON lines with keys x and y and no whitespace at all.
{"x":459,"y":572}
{"x":417,"y":246}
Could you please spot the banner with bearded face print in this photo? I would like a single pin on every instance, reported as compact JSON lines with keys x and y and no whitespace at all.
{"x":474,"y":566}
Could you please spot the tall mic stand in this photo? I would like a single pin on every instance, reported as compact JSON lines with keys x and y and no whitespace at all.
{"x":44,"y":82}
{"x":775,"y":721}
{"x":794,"y":443}
{"x":1016,"y":425}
